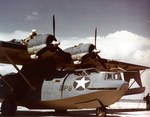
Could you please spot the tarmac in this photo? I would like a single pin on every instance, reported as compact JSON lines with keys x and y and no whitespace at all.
{"x":117,"y":110}
{"x":84,"y":113}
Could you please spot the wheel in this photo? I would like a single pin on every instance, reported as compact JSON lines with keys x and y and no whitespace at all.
{"x":100,"y":112}
{"x":8,"y":108}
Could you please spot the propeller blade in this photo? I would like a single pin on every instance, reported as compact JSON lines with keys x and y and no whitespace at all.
{"x":95,"y":36}
{"x":54,"y":25}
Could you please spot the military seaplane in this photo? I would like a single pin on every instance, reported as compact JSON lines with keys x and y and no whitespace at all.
{"x":52,"y":78}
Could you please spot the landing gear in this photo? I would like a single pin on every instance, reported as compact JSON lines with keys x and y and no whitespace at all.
{"x":101,"y":112}
{"x":8,"y":108}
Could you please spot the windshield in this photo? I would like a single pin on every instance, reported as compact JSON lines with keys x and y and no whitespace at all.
{"x":85,"y":72}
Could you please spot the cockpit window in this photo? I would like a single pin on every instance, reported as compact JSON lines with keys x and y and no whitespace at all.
{"x":80,"y":73}
{"x":85,"y":72}
{"x":90,"y":71}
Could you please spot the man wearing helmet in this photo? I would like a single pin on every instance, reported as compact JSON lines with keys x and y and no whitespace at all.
{"x":31,"y":36}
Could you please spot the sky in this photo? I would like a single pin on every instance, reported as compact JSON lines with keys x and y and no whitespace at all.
{"x":123,"y":25}
{"x":76,"y":17}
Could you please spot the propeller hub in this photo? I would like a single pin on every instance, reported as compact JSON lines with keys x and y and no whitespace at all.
{"x":55,"y":43}
{"x":96,"y":51}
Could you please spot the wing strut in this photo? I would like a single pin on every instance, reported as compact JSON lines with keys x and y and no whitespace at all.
{"x":22,"y":75}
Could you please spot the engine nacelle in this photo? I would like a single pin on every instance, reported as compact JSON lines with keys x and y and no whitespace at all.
{"x":41,"y":41}
{"x":77,"y":52}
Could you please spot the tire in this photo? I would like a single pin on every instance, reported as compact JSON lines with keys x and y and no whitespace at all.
{"x":100,"y":112}
{"x":8,"y":108}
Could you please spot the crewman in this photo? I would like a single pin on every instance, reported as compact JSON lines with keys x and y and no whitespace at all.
{"x":31,"y":36}
{"x":147,"y":99}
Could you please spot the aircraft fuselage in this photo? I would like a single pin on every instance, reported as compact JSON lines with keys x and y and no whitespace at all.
{"x":83,"y":88}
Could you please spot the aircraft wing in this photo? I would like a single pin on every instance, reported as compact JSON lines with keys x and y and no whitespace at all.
{"x":16,"y":52}
{"x":113,"y":65}
{"x":19,"y":55}
{"x":102,"y":64}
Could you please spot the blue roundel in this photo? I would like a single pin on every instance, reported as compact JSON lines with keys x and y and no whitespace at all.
{"x":81,"y":83}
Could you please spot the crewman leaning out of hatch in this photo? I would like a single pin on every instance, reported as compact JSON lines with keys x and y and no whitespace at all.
{"x":31,"y":36}
{"x":147,"y":99}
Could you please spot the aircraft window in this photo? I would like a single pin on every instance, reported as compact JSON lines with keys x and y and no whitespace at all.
{"x":108,"y":76}
{"x":115,"y":76}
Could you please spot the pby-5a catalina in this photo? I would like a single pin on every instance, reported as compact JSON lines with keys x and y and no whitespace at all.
{"x":52,"y":78}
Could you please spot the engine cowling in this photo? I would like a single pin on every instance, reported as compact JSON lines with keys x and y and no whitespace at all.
{"x":77,"y":52}
{"x":40,"y":42}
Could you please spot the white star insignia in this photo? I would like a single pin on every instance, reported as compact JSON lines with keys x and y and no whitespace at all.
{"x":81,"y":83}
